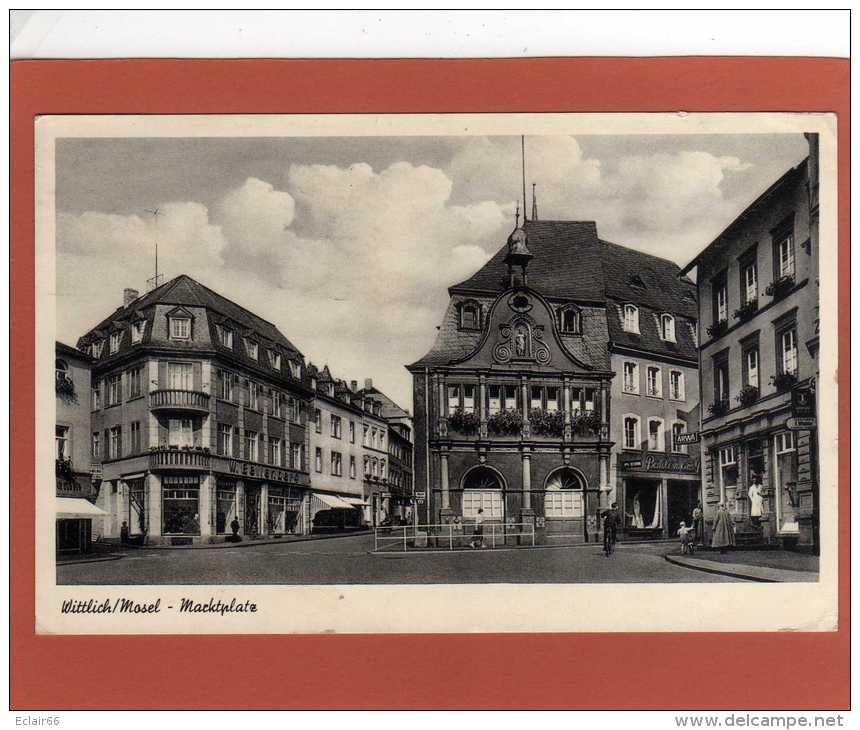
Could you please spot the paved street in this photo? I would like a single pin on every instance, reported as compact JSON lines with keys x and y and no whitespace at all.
{"x":347,"y":560}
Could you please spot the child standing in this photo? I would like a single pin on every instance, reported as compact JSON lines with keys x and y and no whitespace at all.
{"x":687,"y":544}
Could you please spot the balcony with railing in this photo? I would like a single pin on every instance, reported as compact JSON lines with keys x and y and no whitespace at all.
{"x":179,"y":458}
{"x":179,"y":400}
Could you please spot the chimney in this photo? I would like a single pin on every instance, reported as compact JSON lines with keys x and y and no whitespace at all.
{"x":128,"y":296}
{"x":353,"y":386}
{"x":368,"y":383}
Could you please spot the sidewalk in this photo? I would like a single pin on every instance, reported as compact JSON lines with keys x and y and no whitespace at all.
{"x":770,"y":566}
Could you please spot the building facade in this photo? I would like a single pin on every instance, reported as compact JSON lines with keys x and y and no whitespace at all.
{"x":375,"y":446}
{"x":758,"y":302}
{"x":398,"y":499}
{"x":512,"y":402}
{"x":652,"y":321}
{"x":199,"y":411}
{"x":76,"y":481}
{"x":337,"y":453}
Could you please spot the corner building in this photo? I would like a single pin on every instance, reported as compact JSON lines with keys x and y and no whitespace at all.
{"x":512,"y":402}
{"x":758,"y":300}
{"x":199,"y":411}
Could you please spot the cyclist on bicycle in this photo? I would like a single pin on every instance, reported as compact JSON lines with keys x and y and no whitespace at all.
{"x":610,"y":528}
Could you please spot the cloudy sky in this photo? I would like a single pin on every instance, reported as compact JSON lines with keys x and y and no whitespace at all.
{"x":349,"y":244}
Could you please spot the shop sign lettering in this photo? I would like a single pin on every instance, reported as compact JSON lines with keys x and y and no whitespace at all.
{"x":266,"y":473}
{"x":651,"y":462}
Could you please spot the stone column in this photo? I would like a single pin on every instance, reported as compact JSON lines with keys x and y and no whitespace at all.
{"x":204,"y":507}
{"x":240,"y":505}
{"x":605,"y":487}
{"x":525,"y":404}
{"x":443,"y":406}
{"x":664,"y":506}
{"x":153,"y":506}
{"x":443,"y":476}
{"x":527,"y":481}
{"x":604,"y":411}
{"x":264,"y":509}
{"x":482,"y":405}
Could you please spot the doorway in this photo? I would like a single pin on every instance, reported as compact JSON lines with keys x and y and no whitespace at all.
{"x":681,"y":498}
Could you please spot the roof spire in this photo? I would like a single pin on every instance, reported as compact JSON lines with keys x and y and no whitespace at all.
{"x":534,"y":203}
{"x":523,"y":150}
{"x":517,"y":216}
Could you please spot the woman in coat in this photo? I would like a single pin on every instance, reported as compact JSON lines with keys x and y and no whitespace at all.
{"x":724,"y":531}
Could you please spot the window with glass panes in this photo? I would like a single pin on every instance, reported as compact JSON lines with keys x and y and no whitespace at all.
{"x":115,"y":442}
{"x":720,"y":293}
{"x":352,"y":467}
{"x":667,"y":327}
{"x":115,"y":339}
{"x":631,"y":318}
{"x":225,"y":439}
{"x":296,"y":456}
{"x":631,"y":432}
{"x":335,"y":426}
{"x":785,"y":255}
{"x":62,"y":442}
{"x":631,"y":377}
{"x":179,"y":376}
{"x":563,"y":496}
{"x":96,"y":396}
{"x":251,"y":445}
{"x":275,"y":451}
{"x":749,"y":281}
{"x":490,"y":500}
{"x":750,"y":363}
{"x":336,"y":463}
{"x":96,"y":445}
{"x":180,"y":505}
{"x":135,"y":381}
{"x":134,"y":429}
{"x":788,"y":351}
{"x":180,"y":328}
{"x":137,"y":330}
{"x":655,"y":381}
{"x":728,"y":461}
{"x":225,"y":385}
{"x":180,"y":432}
{"x":114,"y":390}
{"x":721,"y":378}
{"x":678,"y":428}
{"x":676,"y":385}
{"x":655,"y":434}
{"x":352,"y":432}
{"x":318,"y":460}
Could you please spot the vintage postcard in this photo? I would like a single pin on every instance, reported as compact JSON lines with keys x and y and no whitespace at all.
{"x":436,"y":373}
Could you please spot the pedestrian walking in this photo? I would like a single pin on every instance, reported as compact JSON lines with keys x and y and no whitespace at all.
{"x":698,"y":525}
{"x":478,"y":534}
{"x":724,"y":531}
{"x":610,"y":528}
{"x":123,"y":533}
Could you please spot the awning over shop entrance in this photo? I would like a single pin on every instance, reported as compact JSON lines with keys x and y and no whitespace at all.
{"x":355,"y":501}
{"x":71,"y":508}
{"x":329,"y":501}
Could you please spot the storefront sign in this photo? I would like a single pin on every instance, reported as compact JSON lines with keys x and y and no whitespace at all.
{"x":264,"y":473}
{"x":803,"y":403}
{"x":421,"y":495}
{"x":662,"y":463}
{"x":682,"y":439}
{"x":801,"y":423}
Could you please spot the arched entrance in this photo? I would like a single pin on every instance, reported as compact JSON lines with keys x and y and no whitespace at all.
{"x":565,"y":501}
{"x":484,"y":488}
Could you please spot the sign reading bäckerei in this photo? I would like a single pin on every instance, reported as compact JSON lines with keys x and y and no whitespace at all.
{"x":678,"y":464}
{"x":266,"y":473}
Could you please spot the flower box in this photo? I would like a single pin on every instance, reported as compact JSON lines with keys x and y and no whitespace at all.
{"x":780,"y":287}
{"x":718,"y":328}
{"x":546,"y":423}
{"x":783,"y":381}
{"x":748,"y":395}
{"x":746,"y":311}
{"x":507,"y":423}
{"x":588,"y":422}
{"x":464,"y":422}
{"x":65,"y":388}
{"x":719,"y":408}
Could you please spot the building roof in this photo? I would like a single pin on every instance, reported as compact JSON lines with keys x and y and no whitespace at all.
{"x":572,"y":263}
{"x":566,"y":264}
{"x":185,"y":291}
{"x":761,"y":200}
{"x":390,"y":409}
{"x":63,"y":349}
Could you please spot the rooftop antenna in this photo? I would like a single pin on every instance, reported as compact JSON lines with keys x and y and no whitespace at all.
{"x":517,"y":215}
{"x":155,"y":281}
{"x":534,"y":203}
{"x":523,"y":150}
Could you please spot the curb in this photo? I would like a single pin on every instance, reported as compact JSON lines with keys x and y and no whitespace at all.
{"x":102,"y":559}
{"x":676,"y":560}
{"x":244,"y":543}
{"x":434,"y":551}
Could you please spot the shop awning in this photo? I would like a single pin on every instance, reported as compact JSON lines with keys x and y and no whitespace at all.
{"x":355,"y":501}
{"x":331,"y":502}
{"x":76,"y":507}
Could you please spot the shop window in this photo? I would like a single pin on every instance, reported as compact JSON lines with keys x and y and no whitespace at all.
{"x":225,"y":508}
{"x":563,"y":496}
{"x":654,"y":382}
{"x":631,"y":432}
{"x":667,"y":327}
{"x":786,"y":481}
{"x":728,"y":461}
{"x":277,"y":512}
{"x":180,"y":505}
{"x":62,"y":442}
{"x":631,"y":377}
{"x":676,"y":385}
{"x":136,"y":506}
{"x":631,"y":318}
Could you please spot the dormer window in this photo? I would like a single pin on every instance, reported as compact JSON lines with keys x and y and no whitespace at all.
{"x":637,"y":283}
{"x":295,"y":369}
{"x":252,"y":349}
{"x":180,"y":328}
{"x":137,"y":330}
{"x":631,"y":318}
{"x":115,"y":339}
{"x":275,"y":359}
{"x":470,"y":316}
{"x":96,"y":349}
{"x":225,"y":336}
{"x":667,"y":328}
{"x":570,"y":321}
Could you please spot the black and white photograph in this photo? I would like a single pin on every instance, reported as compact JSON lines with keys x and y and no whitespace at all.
{"x":520,"y":356}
